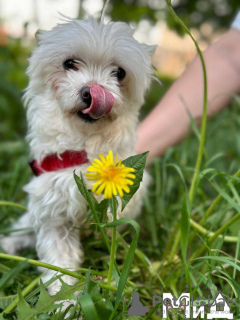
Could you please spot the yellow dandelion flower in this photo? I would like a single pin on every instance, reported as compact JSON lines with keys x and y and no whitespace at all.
{"x":111,"y":175}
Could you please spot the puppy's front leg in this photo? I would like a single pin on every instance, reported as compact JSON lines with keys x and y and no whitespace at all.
{"x":23,"y":239}
{"x":58,"y":244}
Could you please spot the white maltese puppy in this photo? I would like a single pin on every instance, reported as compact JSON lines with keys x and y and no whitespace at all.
{"x":87,"y":84}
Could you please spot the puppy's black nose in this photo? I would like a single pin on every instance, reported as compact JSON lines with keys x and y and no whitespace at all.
{"x":86,"y":96}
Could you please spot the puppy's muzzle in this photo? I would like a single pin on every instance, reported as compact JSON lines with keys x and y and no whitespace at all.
{"x":98,"y":101}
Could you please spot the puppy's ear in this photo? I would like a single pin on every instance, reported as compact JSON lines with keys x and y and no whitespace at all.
{"x":38,"y":35}
{"x":149,"y":49}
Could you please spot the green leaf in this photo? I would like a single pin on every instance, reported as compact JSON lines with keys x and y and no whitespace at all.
{"x":224,"y":260}
{"x":206,"y":280}
{"x":23,"y":309}
{"x":85,"y":193}
{"x":66,"y":292}
{"x":63,"y":316}
{"x":103,"y":306}
{"x":101,"y":209}
{"x":130,"y":255}
{"x":44,"y":303}
{"x":137,"y":162}
{"x":12,"y":274}
{"x":6,"y":300}
{"x":129,"y":258}
{"x":88,"y":307}
{"x":235,"y":286}
{"x":145,"y":260}
{"x":226,"y":196}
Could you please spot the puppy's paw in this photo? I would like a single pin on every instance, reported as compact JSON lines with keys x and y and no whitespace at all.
{"x":15,"y":243}
{"x":9,"y":245}
{"x":55,"y":287}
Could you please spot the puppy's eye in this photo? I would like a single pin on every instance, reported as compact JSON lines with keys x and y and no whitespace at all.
{"x":120,"y":73}
{"x":70,"y":64}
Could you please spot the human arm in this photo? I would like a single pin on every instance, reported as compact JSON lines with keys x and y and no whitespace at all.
{"x":168,"y":123}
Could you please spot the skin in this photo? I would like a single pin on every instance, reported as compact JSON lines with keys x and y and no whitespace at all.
{"x":168,"y":123}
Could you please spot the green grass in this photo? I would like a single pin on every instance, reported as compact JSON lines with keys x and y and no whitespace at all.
{"x":203,"y":262}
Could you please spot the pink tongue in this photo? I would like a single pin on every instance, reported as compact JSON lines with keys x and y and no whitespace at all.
{"x":102,"y":102}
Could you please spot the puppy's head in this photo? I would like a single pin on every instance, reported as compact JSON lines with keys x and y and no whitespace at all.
{"x":95,"y":72}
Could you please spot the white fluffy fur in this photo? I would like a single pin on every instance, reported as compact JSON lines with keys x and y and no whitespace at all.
{"x":55,"y":204}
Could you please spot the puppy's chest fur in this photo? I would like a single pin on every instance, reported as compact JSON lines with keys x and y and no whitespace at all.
{"x":54,"y":195}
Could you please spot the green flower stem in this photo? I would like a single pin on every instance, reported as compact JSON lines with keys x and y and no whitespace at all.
{"x":169,"y":243}
{"x":101,"y":230}
{"x":209,"y":211}
{"x":175,"y":245}
{"x":204,"y":115}
{"x":43,"y":265}
{"x":203,"y":125}
{"x":12,"y":204}
{"x":25,"y":292}
{"x":209,"y":234}
{"x":113,"y":248}
{"x":96,"y":218}
{"x":93,"y":272}
{"x":219,"y":232}
{"x":52,"y":267}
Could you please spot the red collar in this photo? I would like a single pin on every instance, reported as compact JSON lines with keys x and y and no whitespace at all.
{"x":54,"y":162}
